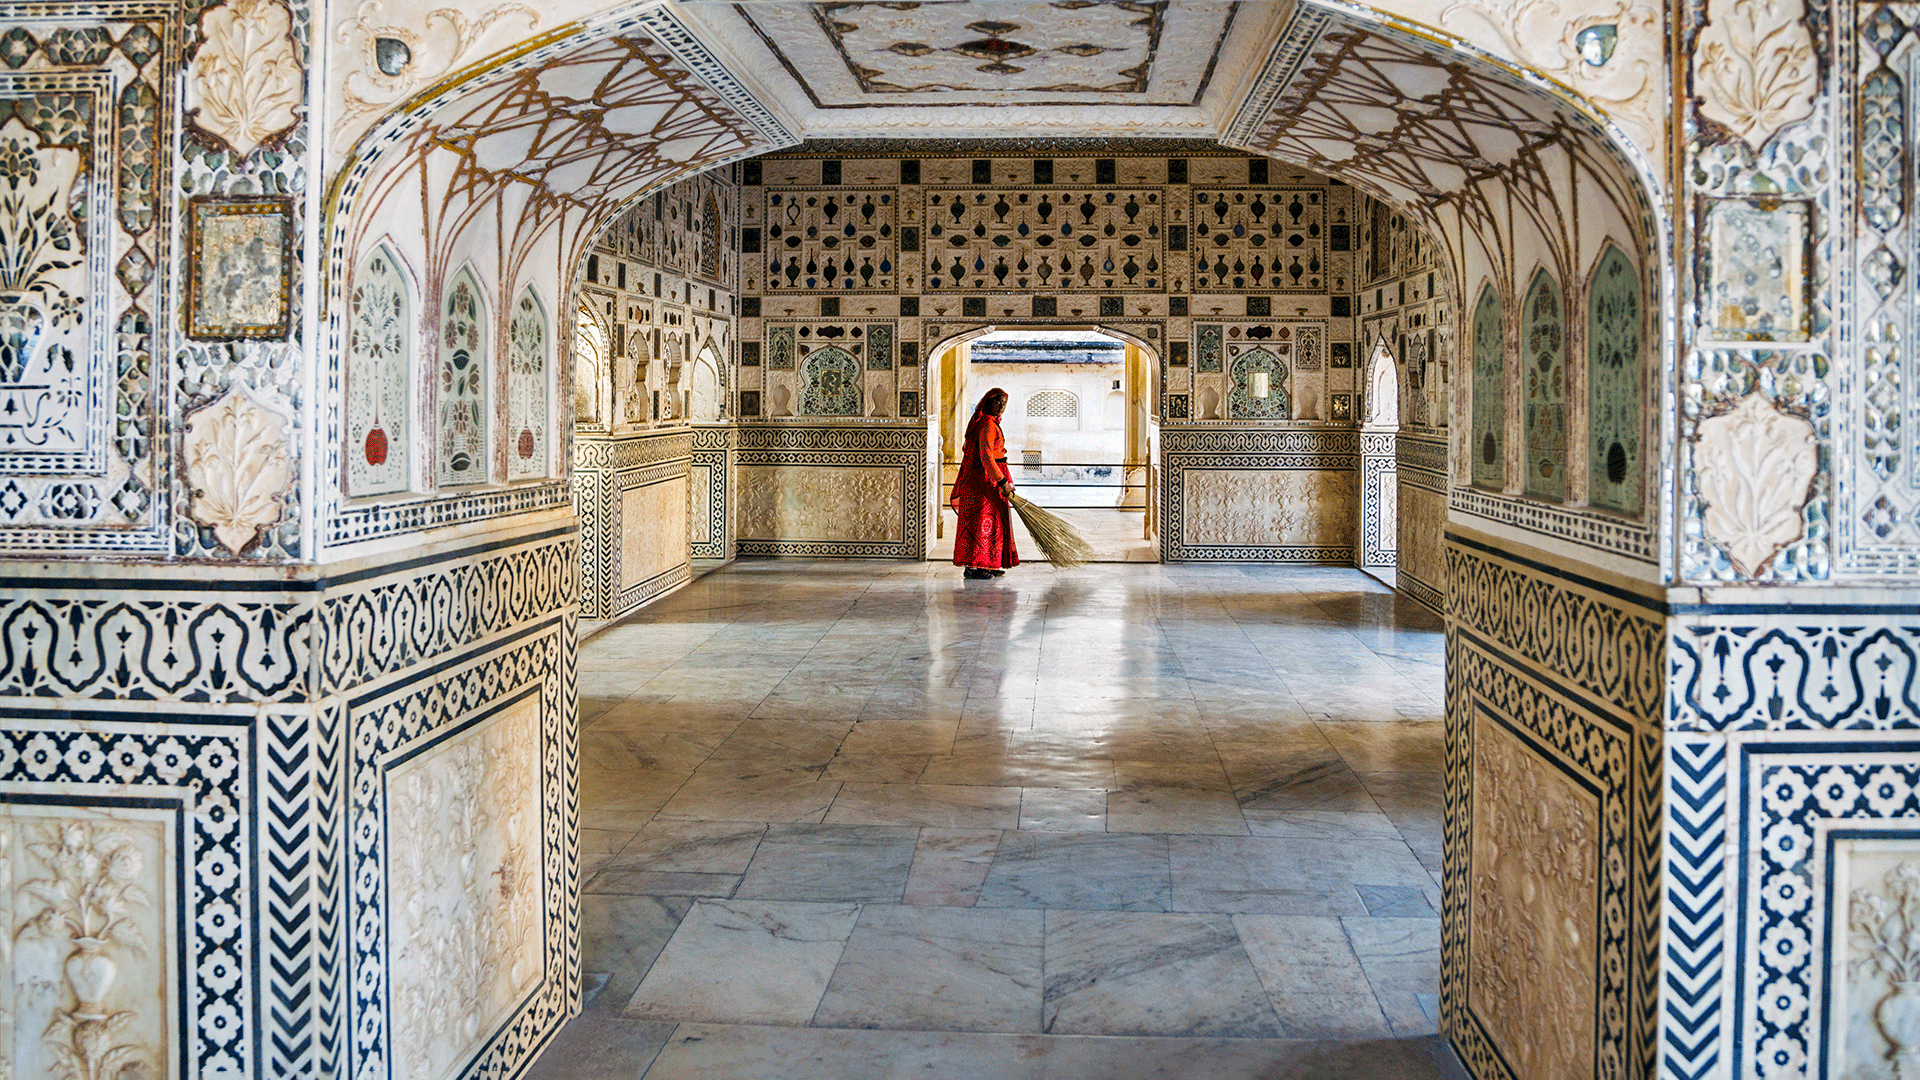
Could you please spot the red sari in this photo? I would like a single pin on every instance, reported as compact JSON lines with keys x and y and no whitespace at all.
{"x":984,"y":537}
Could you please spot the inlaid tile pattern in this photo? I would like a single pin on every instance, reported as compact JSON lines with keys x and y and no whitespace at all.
{"x":846,"y":819}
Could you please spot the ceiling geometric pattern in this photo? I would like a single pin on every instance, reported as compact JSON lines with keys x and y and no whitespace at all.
{"x":849,"y":55}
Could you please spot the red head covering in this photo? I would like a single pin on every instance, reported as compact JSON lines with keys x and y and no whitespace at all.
{"x":980,"y":411}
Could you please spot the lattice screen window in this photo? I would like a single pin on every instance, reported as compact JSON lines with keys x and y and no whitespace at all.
{"x":1053,"y":405}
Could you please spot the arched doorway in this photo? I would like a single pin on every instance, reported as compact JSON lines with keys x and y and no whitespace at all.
{"x":1077,"y":425}
{"x":522,"y":204}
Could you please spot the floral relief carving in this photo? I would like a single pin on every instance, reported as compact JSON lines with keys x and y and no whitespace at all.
{"x":397,"y":60}
{"x":828,"y":503}
{"x":1885,"y":926}
{"x":1545,"y":35}
{"x":1754,"y":68}
{"x":1535,"y":877}
{"x":85,"y":916}
{"x":1267,"y":507}
{"x":239,"y":465}
{"x":246,"y":83}
{"x":1755,"y":467}
{"x":463,"y":886}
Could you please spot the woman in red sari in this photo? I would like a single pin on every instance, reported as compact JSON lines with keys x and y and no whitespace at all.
{"x":983,"y":543}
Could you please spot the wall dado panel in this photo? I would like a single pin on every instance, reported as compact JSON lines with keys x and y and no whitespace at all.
{"x":243,"y":766}
{"x":633,"y":495}
{"x":1259,"y":495}
{"x":711,"y":485}
{"x":833,"y":491}
{"x":1421,"y":562}
{"x":1379,"y":502}
{"x":1550,"y":935}
{"x":1793,"y":836}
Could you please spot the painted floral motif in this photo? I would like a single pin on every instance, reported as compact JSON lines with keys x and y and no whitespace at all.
{"x":527,"y":388}
{"x":42,"y":281}
{"x":1489,"y":393}
{"x":238,"y":466}
{"x":1614,"y":408}
{"x":780,"y":348}
{"x":378,"y":366}
{"x":1754,"y":67}
{"x":1544,"y":389}
{"x":1207,"y":349}
{"x":246,"y":83}
{"x":832,"y":383}
{"x":396,"y":61}
{"x":1755,"y":466}
{"x":463,"y":384}
{"x":1244,"y":402}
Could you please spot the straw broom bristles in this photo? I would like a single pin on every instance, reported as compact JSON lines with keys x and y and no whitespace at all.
{"x":1059,"y":541}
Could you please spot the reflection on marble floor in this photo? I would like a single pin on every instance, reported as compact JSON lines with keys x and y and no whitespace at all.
{"x":864,"y":819}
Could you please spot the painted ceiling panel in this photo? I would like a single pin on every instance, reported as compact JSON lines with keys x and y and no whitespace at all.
{"x":1110,"y":52}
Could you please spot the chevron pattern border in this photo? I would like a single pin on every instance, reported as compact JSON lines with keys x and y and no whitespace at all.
{"x":1694,"y":936}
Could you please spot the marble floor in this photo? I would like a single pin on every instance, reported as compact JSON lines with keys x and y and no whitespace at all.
{"x":847,"y":820}
{"x":1114,"y":535}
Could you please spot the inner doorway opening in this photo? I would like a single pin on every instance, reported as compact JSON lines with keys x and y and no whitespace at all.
{"x":1077,"y":431}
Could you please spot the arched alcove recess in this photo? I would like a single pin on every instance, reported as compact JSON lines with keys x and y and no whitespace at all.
{"x":1508,"y":176}
{"x":517,"y":166}
{"x":1379,"y":471}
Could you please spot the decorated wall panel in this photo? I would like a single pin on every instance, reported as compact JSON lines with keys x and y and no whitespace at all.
{"x":1259,"y":495}
{"x":528,"y":387}
{"x":1550,"y":958}
{"x":1543,"y":388}
{"x":1616,"y":395}
{"x":379,"y":378}
{"x":631,"y":494}
{"x":847,"y":491}
{"x":1487,"y":446}
{"x":216,"y":742}
{"x":465,"y":378}
{"x":711,"y":493}
{"x":1420,"y":561}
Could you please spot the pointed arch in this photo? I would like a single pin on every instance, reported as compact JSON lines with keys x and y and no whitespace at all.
{"x":1489,"y":435}
{"x":1543,"y":388}
{"x":464,"y":379}
{"x":1616,"y":394}
{"x":593,"y":357}
{"x":529,"y":335}
{"x":379,"y":376}
{"x":1383,"y":387}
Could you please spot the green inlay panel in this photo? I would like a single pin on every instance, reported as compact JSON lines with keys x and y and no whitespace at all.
{"x":832,"y":383}
{"x":1489,"y":393}
{"x":1613,"y":385}
{"x":1245,"y":405}
{"x":1544,"y":389}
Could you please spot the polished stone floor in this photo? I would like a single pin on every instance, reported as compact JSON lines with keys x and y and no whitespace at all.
{"x":847,"y":820}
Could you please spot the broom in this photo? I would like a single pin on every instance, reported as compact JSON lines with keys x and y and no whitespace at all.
{"x":1059,"y":541}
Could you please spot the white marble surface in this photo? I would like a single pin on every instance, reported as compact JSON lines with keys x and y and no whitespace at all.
{"x":860,"y":820}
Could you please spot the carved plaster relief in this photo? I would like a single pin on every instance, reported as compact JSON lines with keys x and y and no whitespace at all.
{"x":238,"y":459}
{"x":463,"y":889}
{"x":1754,"y":465}
{"x":85,"y":898}
{"x":653,"y":529}
{"x":401,"y":51}
{"x":1232,"y":507}
{"x":1535,"y":879}
{"x":246,"y":84}
{"x":1545,"y":35}
{"x":1754,"y":67}
{"x":699,"y":497}
{"x":1874,"y":1018}
{"x":821,"y":503}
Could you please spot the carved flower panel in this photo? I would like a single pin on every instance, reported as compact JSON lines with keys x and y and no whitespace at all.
{"x":464,"y":379}
{"x":464,"y":836}
{"x":1269,"y":507}
{"x":1533,"y":897}
{"x":528,"y":335}
{"x":86,"y":898}
{"x":653,"y":533}
{"x":822,"y":503}
{"x":379,"y":373}
{"x":1873,"y":1019}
